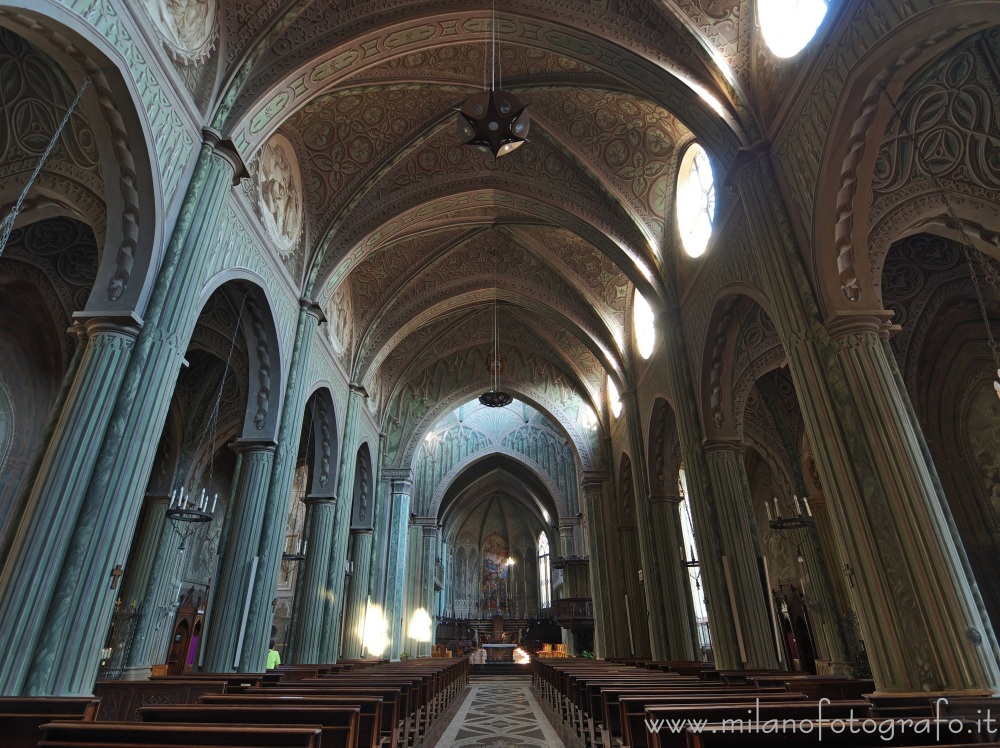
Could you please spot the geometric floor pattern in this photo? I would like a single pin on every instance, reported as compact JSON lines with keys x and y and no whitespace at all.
{"x":500,"y":714}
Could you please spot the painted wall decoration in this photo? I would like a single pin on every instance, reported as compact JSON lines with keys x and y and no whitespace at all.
{"x":280,"y":184}
{"x":495,"y":572}
{"x":187,"y":27}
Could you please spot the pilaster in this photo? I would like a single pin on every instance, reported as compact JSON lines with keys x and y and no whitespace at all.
{"x":401,"y":486}
{"x":595,"y":500}
{"x":681,"y":628}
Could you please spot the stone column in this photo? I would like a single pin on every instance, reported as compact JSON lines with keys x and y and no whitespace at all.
{"x":401,"y":485}
{"x":704,"y":511}
{"x":279,"y":495}
{"x":595,"y":501}
{"x":922,"y":620}
{"x":55,"y":508}
{"x":226,"y":647}
{"x":342,"y":525}
{"x":653,"y":565}
{"x":147,"y":584}
{"x":428,"y":559}
{"x":86,"y":500}
{"x":311,"y":590}
{"x":681,"y":628}
{"x":357,"y":598}
{"x":741,"y":554}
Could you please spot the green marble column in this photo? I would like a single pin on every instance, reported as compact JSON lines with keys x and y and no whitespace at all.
{"x":147,"y":540}
{"x":704,"y":511}
{"x":681,"y":629}
{"x":357,"y":597}
{"x":55,"y":508}
{"x":741,"y":554}
{"x":337,"y":563}
{"x":401,"y":485}
{"x":595,"y":501}
{"x":279,"y":493}
{"x":89,"y":493}
{"x":311,"y":590}
{"x":227,"y":649}
{"x":922,"y":621}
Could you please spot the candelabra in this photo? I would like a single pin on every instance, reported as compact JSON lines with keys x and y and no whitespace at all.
{"x":783,"y":520}
{"x":185,"y":515}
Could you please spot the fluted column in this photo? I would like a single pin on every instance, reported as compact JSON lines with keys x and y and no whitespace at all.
{"x":279,"y":492}
{"x":56,"y":507}
{"x":653,"y":565}
{"x":681,"y":629}
{"x":923,"y":623}
{"x":704,"y":511}
{"x":342,"y":524}
{"x":89,"y":494}
{"x":146,"y":580}
{"x":310,"y":590}
{"x":401,"y":485}
{"x":357,"y":598}
{"x":226,"y":648}
{"x":595,"y":501}
{"x":740,"y":554}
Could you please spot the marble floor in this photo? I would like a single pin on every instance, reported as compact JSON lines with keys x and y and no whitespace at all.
{"x":500,"y":713}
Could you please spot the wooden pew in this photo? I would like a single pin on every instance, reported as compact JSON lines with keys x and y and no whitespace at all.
{"x":131,"y":734}
{"x":22,"y":716}
{"x":121,"y":699}
{"x":339,"y":723}
{"x":369,"y":719}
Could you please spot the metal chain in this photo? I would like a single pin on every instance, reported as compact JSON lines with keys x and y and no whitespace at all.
{"x":991,"y":273}
{"x":8,"y":223}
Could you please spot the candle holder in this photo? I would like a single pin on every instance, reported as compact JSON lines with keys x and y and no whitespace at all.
{"x":790,"y":521}
{"x":185,"y":516}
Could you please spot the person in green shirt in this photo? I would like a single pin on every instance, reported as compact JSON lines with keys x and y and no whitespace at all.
{"x":273,"y":658}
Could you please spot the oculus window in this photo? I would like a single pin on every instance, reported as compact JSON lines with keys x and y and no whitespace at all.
{"x":695,"y":200}
{"x":789,"y":25}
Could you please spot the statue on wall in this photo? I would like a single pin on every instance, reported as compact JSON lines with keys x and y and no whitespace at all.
{"x":280,"y":184}
{"x":187,"y":27}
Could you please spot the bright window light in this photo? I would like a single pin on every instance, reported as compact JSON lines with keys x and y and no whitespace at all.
{"x":645,"y":330}
{"x":615,"y":398}
{"x":420,"y":626}
{"x":789,"y":25}
{"x":695,"y":200}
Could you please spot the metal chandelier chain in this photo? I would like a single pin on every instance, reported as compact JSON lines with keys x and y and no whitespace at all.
{"x":991,"y":273}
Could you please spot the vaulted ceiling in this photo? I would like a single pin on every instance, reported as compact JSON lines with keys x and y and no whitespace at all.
{"x":410,"y":236}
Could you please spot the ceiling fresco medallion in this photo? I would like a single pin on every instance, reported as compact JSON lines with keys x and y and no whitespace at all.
{"x":280,"y":189}
{"x":186,"y":27}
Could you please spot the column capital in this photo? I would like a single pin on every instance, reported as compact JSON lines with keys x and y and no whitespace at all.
{"x":746,"y":158}
{"x":247,"y":446}
{"x":157,"y":497}
{"x":662,"y":498}
{"x":119,"y":322}
{"x":400,"y":474}
{"x":845,"y":323}
{"x":425,"y":522}
{"x":358,"y":389}
{"x":722,"y":444}
{"x":313,"y":500}
{"x":313,"y":309}
{"x":228,"y":151}
{"x":362,"y":531}
{"x":594,"y":478}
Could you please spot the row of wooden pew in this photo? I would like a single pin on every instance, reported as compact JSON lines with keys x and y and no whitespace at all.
{"x":691,"y":705}
{"x":360,"y":704}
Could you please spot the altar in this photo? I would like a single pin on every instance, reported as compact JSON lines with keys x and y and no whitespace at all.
{"x":499,"y":652}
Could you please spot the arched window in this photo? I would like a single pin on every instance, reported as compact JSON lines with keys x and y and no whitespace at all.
{"x":544,"y":571}
{"x":645,"y":330}
{"x":614,"y":397}
{"x":695,"y":200}
{"x":789,"y":25}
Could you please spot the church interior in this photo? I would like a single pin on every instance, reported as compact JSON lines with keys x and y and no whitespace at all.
{"x":432,"y":354}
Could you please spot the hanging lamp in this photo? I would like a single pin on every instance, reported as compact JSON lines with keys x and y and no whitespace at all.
{"x":494,"y":120}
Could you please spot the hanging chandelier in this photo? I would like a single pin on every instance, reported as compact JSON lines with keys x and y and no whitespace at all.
{"x":495,"y":397}
{"x":494,"y":120}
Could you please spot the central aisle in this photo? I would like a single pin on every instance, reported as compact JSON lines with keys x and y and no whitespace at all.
{"x":500,"y":713}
